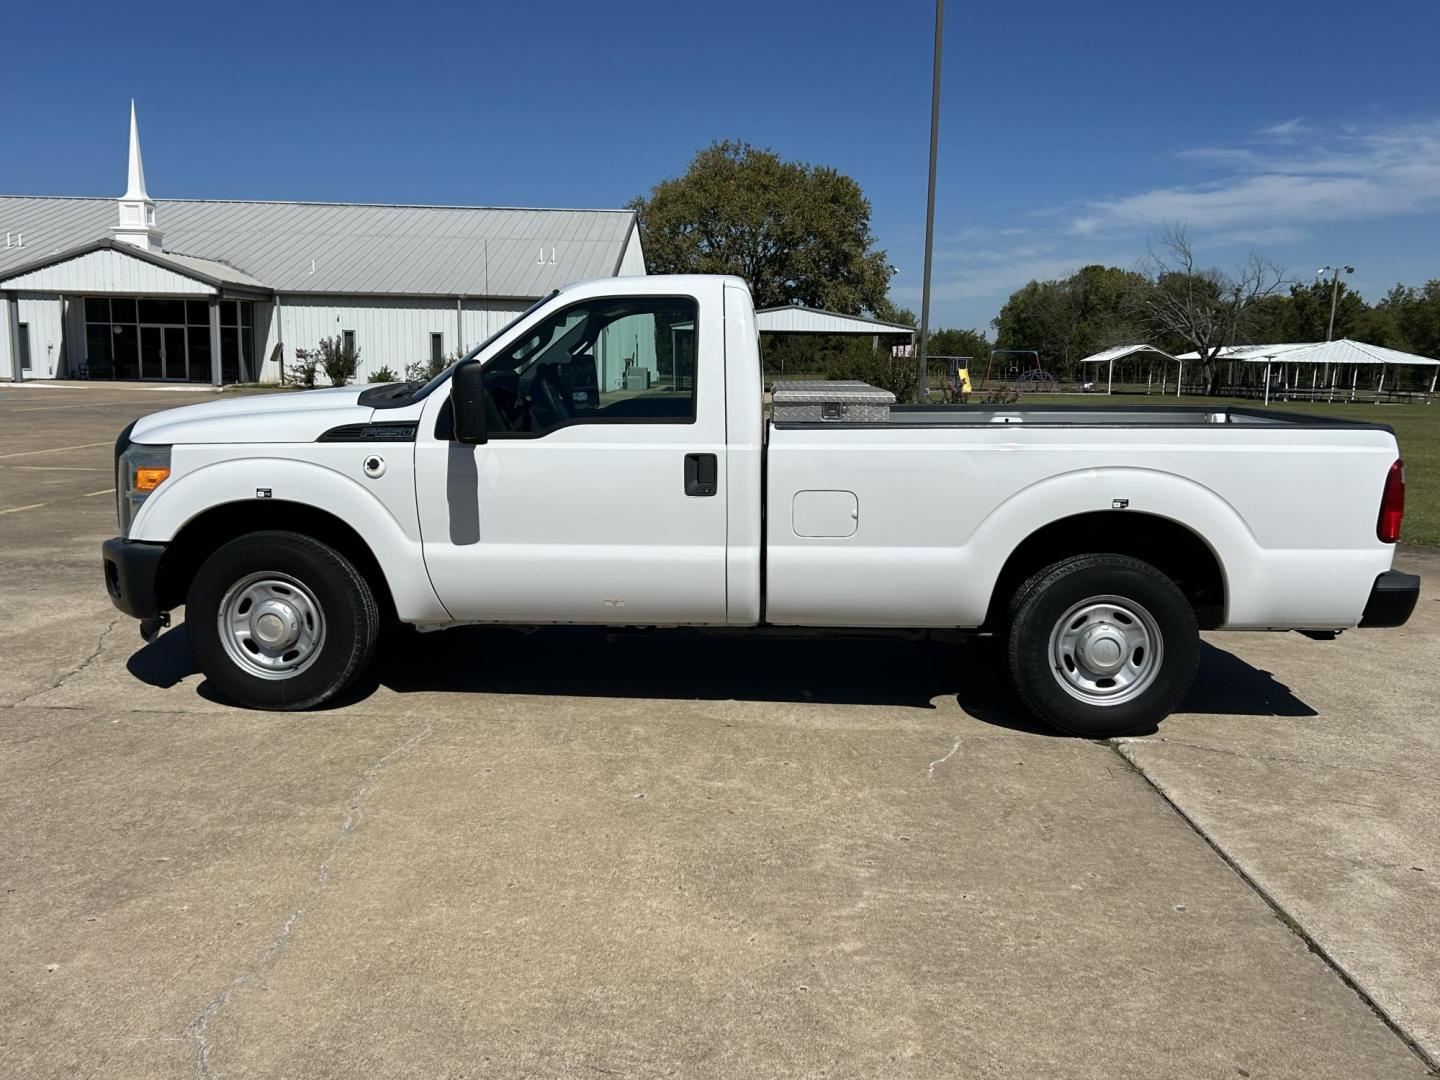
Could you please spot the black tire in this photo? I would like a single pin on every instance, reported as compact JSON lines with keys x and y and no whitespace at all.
{"x":1037,"y":609}
{"x":351,"y":619}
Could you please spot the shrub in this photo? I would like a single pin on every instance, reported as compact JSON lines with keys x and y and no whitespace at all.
{"x":876,"y":367}
{"x":338,"y":360}
{"x":307,"y":362}
{"x":383,"y":375}
{"x":1001,"y":394}
{"x":422,"y":371}
{"x":427,"y":369}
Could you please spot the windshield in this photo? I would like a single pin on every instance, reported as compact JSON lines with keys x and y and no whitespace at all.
{"x":445,"y":374}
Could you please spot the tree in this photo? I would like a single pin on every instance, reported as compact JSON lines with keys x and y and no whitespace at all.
{"x":1381,"y":325}
{"x":1202,"y":307}
{"x":1309,"y":311}
{"x":1066,"y":320}
{"x":1415,"y":315}
{"x":1270,"y":320}
{"x":856,"y":359}
{"x":798,"y":233}
{"x":971,"y":343}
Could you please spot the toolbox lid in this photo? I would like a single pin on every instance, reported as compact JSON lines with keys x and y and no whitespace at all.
{"x":826,"y":391}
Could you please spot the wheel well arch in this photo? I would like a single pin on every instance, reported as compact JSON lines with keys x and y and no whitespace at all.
{"x":207,"y":531}
{"x":1172,"y":548}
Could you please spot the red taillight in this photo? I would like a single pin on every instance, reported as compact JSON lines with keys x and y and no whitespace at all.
{"x":1392,"y":505}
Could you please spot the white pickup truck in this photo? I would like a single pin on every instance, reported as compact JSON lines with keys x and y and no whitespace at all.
{"x":605,"y":460}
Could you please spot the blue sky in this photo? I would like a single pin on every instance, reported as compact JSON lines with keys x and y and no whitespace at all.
{"x":1071,"y":133}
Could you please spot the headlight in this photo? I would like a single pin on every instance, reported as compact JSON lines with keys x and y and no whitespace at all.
{"x":139,"y":471}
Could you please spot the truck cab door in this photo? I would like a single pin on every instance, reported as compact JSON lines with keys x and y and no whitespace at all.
{"x":599,"y":493}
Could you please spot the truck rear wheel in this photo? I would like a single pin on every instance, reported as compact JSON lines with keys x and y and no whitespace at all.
{"x":278,"y":620}
{"x":1102,"y":645}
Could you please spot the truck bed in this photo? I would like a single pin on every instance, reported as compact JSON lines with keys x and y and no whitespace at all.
{"x":908,"y":521}
{"x":1091,"y":416}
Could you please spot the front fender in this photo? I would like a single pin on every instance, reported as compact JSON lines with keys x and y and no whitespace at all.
{"x":397,"y":550}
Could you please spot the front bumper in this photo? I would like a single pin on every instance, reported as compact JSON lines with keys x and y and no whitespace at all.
{"x":1392,"y":599}
{"x":132,"y":568}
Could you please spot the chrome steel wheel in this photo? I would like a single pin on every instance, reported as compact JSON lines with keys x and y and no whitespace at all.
{"x":271,"y":625}
{"x":1106,"y":650}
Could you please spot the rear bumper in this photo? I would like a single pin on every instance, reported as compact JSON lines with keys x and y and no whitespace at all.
{"x":131,"y":570}
{"x":1392,"y":599}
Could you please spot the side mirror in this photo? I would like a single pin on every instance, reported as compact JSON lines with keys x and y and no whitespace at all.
{"x":467,"y":397}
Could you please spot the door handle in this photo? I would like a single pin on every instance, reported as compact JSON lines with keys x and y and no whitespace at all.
{"x":702,"y":473}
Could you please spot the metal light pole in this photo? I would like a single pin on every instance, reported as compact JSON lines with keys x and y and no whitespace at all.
{"x":921,"y":392}
{"x":1334,"y":293}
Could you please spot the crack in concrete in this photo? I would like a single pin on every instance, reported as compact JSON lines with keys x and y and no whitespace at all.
{"x":95,"y":655}
{"x":1290,"y":922}
{"x":941,"y":761}
{"x":197,"y":1029}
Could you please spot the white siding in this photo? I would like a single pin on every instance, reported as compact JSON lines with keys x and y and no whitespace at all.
{"x":628,"y":342}
{"x":108,"y":271}
{"x":482,"y":318}
{"x":389,"y":332}
{"x":42,"y":315}
{"x":632,"y":261}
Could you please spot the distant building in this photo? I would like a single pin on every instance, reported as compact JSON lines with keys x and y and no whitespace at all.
{"x":206,"y":290}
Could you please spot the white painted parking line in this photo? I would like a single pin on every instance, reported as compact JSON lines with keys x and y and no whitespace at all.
{"x":59,"y":468}
{"x":17,"y":509}
{"x":107,"y":491}
{"x":81,"y":405}
{"x":57,"y":449}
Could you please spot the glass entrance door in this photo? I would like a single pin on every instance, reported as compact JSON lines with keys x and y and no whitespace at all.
{"x":152,"y":349}
{"x":162,"y":353}
{"x":174,"y":353}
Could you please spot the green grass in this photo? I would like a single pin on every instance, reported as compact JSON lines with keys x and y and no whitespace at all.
{"x":1417,"y":427}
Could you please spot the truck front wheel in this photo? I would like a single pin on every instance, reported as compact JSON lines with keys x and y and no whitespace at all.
{"x":1102,"y":645}
{"x":278,"y":620}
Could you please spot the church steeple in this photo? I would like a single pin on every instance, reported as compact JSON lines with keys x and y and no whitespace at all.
{"x":137,"y":209}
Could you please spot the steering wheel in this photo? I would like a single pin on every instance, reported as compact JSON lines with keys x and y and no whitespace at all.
{"x":547,"y":398}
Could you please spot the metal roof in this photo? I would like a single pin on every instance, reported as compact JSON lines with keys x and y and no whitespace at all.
{"x":1116,"y":352}
{"x":796,"y":319}
{"x":1342,"y":351}
{"x":354,"y":248}
{"x":208,"y":271}
{"x":1240,"y":352}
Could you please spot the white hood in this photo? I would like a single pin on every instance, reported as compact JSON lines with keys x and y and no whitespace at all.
{"x":300,"y":416}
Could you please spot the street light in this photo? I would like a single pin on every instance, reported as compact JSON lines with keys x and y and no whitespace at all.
{"x":1334,"y":292}
{"x":922,"y":393}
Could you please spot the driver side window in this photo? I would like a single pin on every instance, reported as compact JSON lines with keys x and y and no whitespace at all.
{"x":625,"y":360}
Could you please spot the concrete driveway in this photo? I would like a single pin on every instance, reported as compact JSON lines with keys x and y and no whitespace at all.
{"x":669,"y":855}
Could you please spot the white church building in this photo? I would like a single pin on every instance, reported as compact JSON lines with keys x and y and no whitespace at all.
{"x":220,"y":291}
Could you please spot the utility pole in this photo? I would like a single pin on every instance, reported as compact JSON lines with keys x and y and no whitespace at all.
{"x":1334,"y":293}
{"x":921,"y":392}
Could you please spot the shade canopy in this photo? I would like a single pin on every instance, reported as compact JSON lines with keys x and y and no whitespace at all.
{"x":1106,"y":356}
{"x":1343,"y":351}
{"x":797,"y":319}
{"x":1240,"y":352}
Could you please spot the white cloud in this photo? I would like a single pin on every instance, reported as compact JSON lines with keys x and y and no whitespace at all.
{"x":1278,"y":189}
{"x":1310,"y":178}
{"x":1219,"y":155}
{"x":1261,"y":236}
{"x":1288,"y":131}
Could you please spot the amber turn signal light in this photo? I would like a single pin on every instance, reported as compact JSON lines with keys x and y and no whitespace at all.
{"x":148,"y":478}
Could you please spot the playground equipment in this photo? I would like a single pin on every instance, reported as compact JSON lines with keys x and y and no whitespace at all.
{"x":1038,"y":381}
{"x":1025,"y":381}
